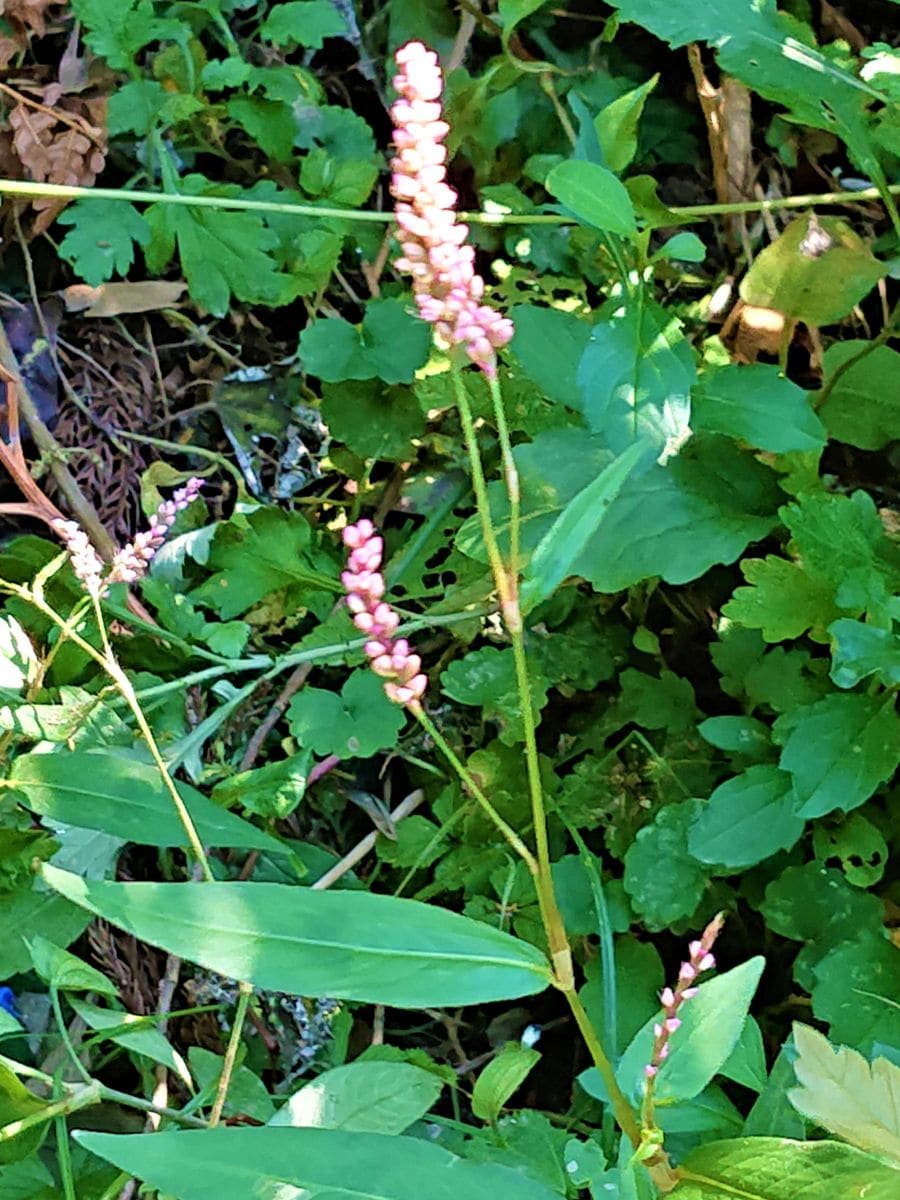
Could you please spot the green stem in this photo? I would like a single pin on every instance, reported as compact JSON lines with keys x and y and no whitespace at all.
{"x":472,"y":787}
{"x":479,"y":486}
{"x":510,"y":474}
{"x":689,"y":212}
{"x":234,"y":1041}
{"x":126,"y":689}
{"x":83,"y":1098}
{"x":147,"y":1106}
{"x":64,"y":1035}
{"x":624,"y":1113}
{"x":884,"y":335}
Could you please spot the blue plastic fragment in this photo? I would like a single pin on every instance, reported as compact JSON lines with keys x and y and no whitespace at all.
{"x":8,"y":1001}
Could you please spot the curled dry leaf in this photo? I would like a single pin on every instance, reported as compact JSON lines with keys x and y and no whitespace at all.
{"x":112,"y":299}
{"x":22,"y":18}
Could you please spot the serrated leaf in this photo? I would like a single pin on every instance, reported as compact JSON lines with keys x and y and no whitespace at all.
{"x":356,"y":724}
{"x":223,"y":254}
{"x":758,"y":405}
{"x":746,"y":820}
{"x":783,"y":600}
{"x":861,"y":650}
{"x":662,"y":897}
{"x":839,"y":750}
{"x":100,"y":243}
{"x":117,"y":33}
{"x":501,"y":1077}
{"x":595,"y":196}
{"x":271,"y":124}
{"x":303,"y":23}
{"x":232,"y":1164}
{"x":767,"y":1168}
{"x":350,"y":945}
{"x":843,"y":1093}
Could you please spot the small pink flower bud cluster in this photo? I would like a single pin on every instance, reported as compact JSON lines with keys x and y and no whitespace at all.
{"x":389,"y":657}
{"x":701,"y":959}
{"x":447,"y":288}
{"x":131,"y":562}
{"x":86,"y":562}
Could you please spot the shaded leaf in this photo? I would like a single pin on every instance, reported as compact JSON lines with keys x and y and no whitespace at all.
{"x":594,"y":195}
{"x":363,"y":1097}
{"x":747,"y":819}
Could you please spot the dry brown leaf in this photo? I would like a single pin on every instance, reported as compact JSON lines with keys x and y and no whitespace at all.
{"x":30,"y":15}
{"x":113,"y":299}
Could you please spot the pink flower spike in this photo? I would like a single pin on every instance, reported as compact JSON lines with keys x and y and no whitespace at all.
{"x":446,"y":288}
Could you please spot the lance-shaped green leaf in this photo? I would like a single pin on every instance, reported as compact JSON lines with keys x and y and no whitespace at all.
{"x":350,"y":945}
{"x":317,"y":1164}
{"x":500,"y":1078}
{"x":567,"y":537}
{"x":128,"y":799}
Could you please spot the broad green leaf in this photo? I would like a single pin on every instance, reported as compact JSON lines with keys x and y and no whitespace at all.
{"x":363,"y":1097}
{"x":635,"y":378}
{"x":100,"y":243}
{"x":271,"y":124}
{"x":350,"y":945}
{"x":778,"y":1169}
{"x":355,"y":724}
{"x":856,"y":988}
{"x":682,"y":247}
{"x":758,"y":405}
{"x":142,"y":1039}
{"x":817,"y":288}
{"x":548,"y":345}
{"x":280,"y":1164}
{"x":272,"y":791}
{"x":662,"y":897}
{"x":857,"y":844}
{"x":223,"y":254}
{"x":676,"y":521}
{"x":16,"y":1104}
{"x":746,"y":1064}
{"x":617,"y":126}
{"x":738,"y":735}
{"x":862,"y":407}
{"x":247,"y":1094}
{"x":839,"y":750}
{"x":513,"y":12}
{"x":594,"y":195}
{"x":35,"y":909}
{"x":64,"y":971}
{"x":373,"y":421}
{"x":564,"y":541}
{"x":860,"y":650}
{"x":125,"y":798}
{"x":303,"y":23}
{"x":712,"y":1024}
{"x":772,"y":1114}
{"x":845,"y":1094}
{"x":391,"y":345}
{"x":757,"y":45}
{"x":272,"y":549}
{"x":746,"y":820}
{"x":488,"y":677}
{"x":8,"y":1024}
{"x":501,"y":1077}
{"x":528,"y":1143}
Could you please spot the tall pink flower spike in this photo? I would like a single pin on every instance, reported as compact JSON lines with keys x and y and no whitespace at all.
{"x":701,"y":959}
{"x":389,"y":657}
{"x":447,"y":289}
